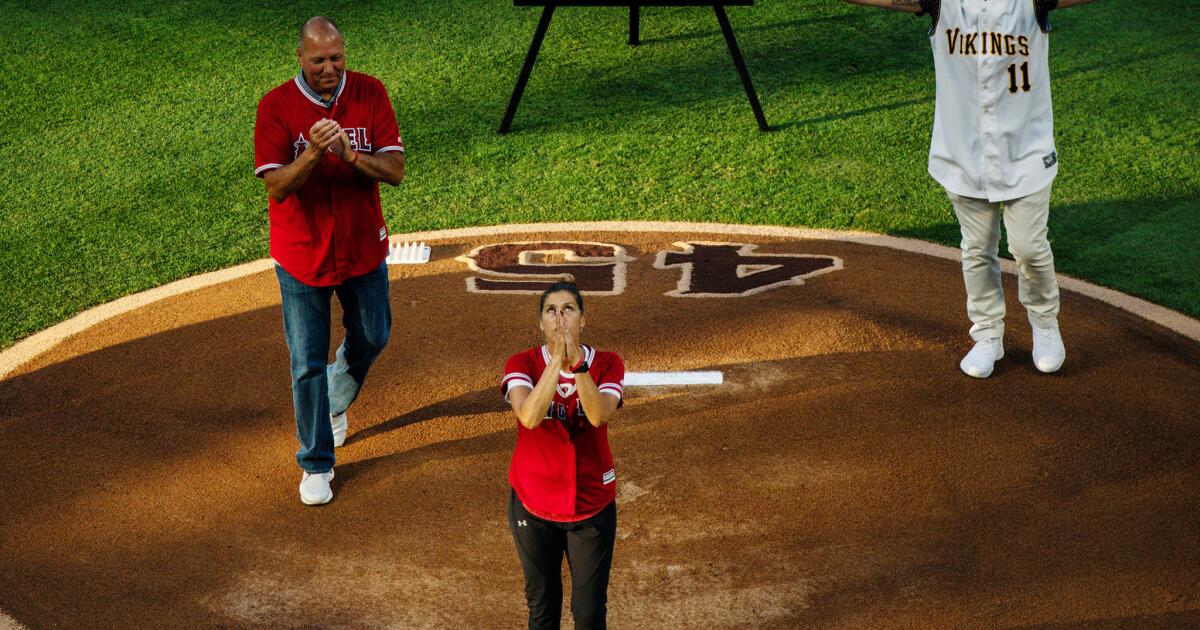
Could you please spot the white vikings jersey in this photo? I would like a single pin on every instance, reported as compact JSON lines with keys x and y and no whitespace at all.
{"x":993,"y":130}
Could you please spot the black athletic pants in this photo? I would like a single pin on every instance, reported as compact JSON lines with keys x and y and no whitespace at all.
{"x":589,"y":548}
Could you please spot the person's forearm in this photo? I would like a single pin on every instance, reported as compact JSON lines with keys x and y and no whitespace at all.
{"x":597,"y":410}
{"x":533,"y":409}
{"x":385,"y":167}
{"x":286,"y":180}
{"x":911,"y":6}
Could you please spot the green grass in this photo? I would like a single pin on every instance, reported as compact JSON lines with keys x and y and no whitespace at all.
{"x":127,"y":156}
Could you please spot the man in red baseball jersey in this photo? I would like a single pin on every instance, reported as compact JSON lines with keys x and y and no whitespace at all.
{"x":564,"y":484}
{"x":322,"y":143}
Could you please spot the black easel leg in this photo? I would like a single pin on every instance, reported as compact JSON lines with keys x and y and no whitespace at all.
{"x":530,"y":57}
{"x":634,"y":24}
{"x":741,"y":66}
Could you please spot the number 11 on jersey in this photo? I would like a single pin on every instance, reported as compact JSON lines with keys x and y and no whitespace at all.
{"x":1012,"y":78}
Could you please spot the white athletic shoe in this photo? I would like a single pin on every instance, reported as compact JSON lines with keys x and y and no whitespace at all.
{"x":340,"y":424}
{"x":314,"y":489}
{"x":1048,"y":350}
{"x":980,"y":360}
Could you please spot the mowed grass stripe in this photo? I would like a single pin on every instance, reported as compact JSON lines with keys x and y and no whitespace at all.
{"x":130,"y":161}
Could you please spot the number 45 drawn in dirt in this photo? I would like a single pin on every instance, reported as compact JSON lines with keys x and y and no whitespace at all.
{"x":706,"y":269}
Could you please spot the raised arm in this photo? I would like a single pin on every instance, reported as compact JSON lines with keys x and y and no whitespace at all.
{"x":1044,"y":7}
{"x":385,"y":167}
{"x":597,"y":406}
{"x":287,"y":179}
{"x":530,"y":405}
{"x":910,"y":6}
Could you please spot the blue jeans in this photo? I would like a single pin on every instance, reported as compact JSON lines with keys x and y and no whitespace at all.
{"x":317,"y":388}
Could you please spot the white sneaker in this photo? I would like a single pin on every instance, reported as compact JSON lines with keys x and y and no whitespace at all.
{"x":1048,"y":350}
{"x":314,"y":489}
{"x":980,"y":360}
{"x":340,"y":424}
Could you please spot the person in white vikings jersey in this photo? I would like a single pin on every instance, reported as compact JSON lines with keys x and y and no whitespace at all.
{"x":993,"y":146}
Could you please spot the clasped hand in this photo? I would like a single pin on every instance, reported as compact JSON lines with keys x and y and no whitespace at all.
{"x":327,"y":135}
{"x":565,"y":350}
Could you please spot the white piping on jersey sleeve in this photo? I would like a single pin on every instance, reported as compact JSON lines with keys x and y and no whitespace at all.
{"x":266,"y":167}
{"x":612,"y":389}
{"x":515,"y":379}
{"x":389,"y":148}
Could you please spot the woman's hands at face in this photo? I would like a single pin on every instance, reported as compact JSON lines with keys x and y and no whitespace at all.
{"x":572,"y":351}
{"x":557,"y":349}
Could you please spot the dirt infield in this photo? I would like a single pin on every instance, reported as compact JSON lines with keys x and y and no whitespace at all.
{"x":845,"y":475}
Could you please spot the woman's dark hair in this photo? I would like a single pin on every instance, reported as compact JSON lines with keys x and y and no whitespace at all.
{"x":567,"y":283}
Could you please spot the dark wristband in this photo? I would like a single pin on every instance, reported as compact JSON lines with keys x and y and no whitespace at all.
{"x":1042,"y":9}
{"x":580,"y":367}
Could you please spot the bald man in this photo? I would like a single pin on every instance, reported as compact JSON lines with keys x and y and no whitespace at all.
{"x":322,"y":143}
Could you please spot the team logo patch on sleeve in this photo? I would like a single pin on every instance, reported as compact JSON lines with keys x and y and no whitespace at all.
{"x":1050,"y":160}
{"x":610,"y":476}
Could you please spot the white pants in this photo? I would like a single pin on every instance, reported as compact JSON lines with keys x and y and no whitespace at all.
{"x":1025,"y":224}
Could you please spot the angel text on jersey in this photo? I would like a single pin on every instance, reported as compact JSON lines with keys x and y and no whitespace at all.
{"x":359,"y":141}
{"x":558,"y":411}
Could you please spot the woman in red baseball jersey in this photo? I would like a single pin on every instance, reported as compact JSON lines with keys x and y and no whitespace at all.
{"x":563,"y":497}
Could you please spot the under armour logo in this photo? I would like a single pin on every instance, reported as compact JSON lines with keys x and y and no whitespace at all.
{"x":522,"y":523}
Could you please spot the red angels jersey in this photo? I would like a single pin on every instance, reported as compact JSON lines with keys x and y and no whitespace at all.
{"x":563,"y":470}
{"x":332,"y":227}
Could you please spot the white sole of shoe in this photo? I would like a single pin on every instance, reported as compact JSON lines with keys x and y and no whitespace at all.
{"x":319,"y":501}
{"x":1050,"y":368}
{"x":974,"y":374}
{"x":322,"y":501}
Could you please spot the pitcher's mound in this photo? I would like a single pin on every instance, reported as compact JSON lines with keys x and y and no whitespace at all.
{"x":845,"y":474}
